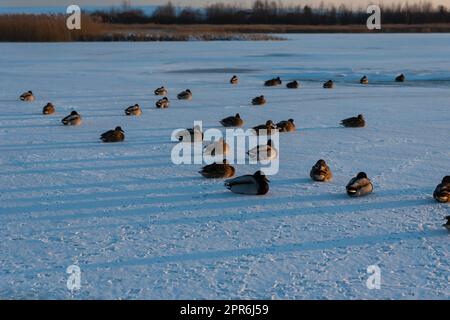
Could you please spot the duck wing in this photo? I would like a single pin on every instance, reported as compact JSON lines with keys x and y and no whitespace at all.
{"x":65,"y":120}
{"x":107,"y":135}
{"x":69,"y":118}
{"x":349,"y":120}
{"x":214,"y":170}
{"x":225,"y":121}
{"x":358,"y":183}
{"x":228,"y":121}
{"x":282,"y":125}
{"x":183,"y":95}
{"x":209,"y":167}
{"x":353,"y":122}
{"x":242,"y":180}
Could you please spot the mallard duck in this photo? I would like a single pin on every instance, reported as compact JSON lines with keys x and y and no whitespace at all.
{"x":234,"y":80}
{"x":447,"y":224}
{"x":442,"y":191}
{"x":185,"y":95}
{"x":27,"y":96}
{"x":116,"y":135}
{"x":190,"y":135}
{"x":73,"y":119}
{"x":293,"y":85}
{"x":162,"y":103}
{"x":263,"y":152}
{"x":354,"y":122}
{"x":400,"y":78}
{"x":218,"y":170}
{"x":232,"y":121}
{"x":161,"y":91}
{"x":265,"y":128}
{"x":273,"y":82}
{"x":49,"y":108}
{"x":321,"y":171}
{"x":364,"y":80}
{"x":259,"y":101}
{"x":133,"y":110}
{"x":217,"y":148}
{"x":286,"y":126}
{"x":359,"y":186}
{"x":329,"y":84}
{"x":256,"y":184}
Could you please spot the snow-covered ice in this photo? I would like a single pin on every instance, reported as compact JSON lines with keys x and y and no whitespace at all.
{"x":140,"y":227}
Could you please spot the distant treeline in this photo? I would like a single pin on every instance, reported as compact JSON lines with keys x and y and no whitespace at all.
{"x":271,"y":12}
{"x":219,"y":22}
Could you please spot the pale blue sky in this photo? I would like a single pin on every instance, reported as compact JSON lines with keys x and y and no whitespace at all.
{"x":34,"y":3}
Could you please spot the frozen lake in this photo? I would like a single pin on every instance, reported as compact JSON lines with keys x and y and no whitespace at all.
{"x":139,"y":226}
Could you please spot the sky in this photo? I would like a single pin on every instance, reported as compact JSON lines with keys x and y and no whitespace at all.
{"x":37,"y":3}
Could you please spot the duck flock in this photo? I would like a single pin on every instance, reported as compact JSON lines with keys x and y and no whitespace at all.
{"x":256,"y":184}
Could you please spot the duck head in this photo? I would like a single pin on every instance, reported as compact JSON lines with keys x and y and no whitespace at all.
{"x":260,"y":176}
{"x":74,"y":113}
{"x":360,"y":116}
{"x":119,"y":129}
{"x":291,"y":121}
{"x":362,"y":175}
{"x":269,"y":123}
{"x":237,"y":116}
{"x":446,"y":180}
{"x":188,"y":91}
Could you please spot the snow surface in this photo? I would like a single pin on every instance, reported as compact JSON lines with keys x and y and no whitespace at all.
{"x":140,"y":227}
